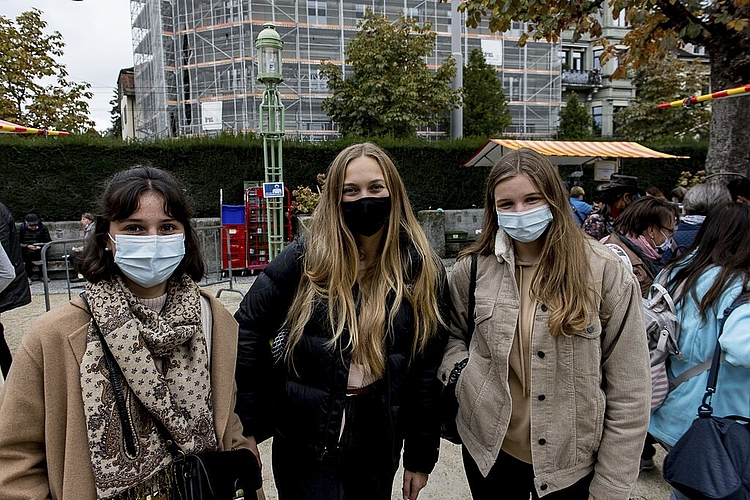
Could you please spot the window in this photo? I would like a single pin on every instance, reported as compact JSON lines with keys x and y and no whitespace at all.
{"x":359,"y":10}
{"x":596,"y":113}
{"x":562,"y":56}
{"x":412,"y":13}
{"x":316,"y":12}
{"x":597,"y":55}
{"x":576,"y":61}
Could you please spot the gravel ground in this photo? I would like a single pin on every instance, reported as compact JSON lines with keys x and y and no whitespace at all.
{"x":447,"y":481}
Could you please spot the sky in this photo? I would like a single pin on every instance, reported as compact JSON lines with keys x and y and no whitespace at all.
{"x":97,"y":43}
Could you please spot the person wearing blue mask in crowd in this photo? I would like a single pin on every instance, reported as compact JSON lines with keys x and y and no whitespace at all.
{"x":553,"y":387}
{"x":358,"y":315}
{"x":698,"y":202}
{"x":63,"y":431}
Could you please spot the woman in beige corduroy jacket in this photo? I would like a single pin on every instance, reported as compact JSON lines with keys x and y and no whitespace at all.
{"x":554,"y":385}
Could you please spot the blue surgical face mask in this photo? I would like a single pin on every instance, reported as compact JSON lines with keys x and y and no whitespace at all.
{"x":148,"y":260}
{"x":667,"y":245}
{"x":525,"y":226}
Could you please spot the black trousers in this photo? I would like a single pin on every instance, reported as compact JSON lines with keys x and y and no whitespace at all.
{"x":362,"y":468}
{"x":5,"y":357}
{"x":512,"y":479}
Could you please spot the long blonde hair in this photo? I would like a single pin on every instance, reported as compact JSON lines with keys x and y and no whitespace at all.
{"x":331,"y":267}
{"x":562,"y":281}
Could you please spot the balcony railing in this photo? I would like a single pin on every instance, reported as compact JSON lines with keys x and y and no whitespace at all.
{"x":592,"y":77}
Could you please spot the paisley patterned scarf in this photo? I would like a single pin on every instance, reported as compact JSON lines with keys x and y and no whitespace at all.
{"x":178,"y":394}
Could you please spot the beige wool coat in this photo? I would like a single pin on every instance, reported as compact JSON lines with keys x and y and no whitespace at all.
{"x":44,"y":451}
{"x":590,"y":391}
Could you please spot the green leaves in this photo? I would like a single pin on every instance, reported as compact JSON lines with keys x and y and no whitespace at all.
{"x":28,"y":57}
{"x":486,"y":111}
{"x":389,"y":89}
{"x":575,"y":121}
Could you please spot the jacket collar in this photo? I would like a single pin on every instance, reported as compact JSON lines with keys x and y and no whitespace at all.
{"x":504,"y":248}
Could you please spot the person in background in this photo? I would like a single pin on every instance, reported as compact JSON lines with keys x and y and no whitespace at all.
{"x":87,"y":223}
{"x":61,"y":435}
{"x":616,"y":195}
{"x":678,"y":194}
{"x":361,"y":307}
{"x":655,"y":192}
{"x":32,"y":237}
{"x":18,"y":293}
{"x":581,"y":209}
{"x":7,"y":271}
{"x":740,"y":190}
{"x":644,"y":233}
{"x":703,"y":283}
{"x":553,"y":389}
{"x":698,"y":202}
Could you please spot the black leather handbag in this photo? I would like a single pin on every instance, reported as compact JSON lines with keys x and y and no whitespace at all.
{"x":218,"y":475}
{"x":711,"y":461}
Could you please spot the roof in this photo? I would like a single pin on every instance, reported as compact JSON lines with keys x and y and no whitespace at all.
{"x":7,"y":127}
{"x":564,"y":152}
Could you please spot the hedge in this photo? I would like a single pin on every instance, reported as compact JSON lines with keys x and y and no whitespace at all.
{"x":59,"y":178}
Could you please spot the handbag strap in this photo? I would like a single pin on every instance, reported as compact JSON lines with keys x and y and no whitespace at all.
{"x":705,"y":409}
{"x":114,"y":375}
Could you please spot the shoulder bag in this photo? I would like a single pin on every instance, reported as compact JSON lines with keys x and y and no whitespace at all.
{"x":712,"y":459}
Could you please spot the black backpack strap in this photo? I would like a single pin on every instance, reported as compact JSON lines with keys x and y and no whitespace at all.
{"x":705,"y":409}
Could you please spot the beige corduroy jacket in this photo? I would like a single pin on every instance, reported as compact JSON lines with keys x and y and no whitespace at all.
{"x":44,"y":451}
{"x":589,"y":391}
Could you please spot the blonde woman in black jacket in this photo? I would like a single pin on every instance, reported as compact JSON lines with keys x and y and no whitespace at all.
{"x":360,"y":306}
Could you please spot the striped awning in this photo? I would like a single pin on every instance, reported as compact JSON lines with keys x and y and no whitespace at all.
{"x":7,"y":127}
{"x":564,"y":152}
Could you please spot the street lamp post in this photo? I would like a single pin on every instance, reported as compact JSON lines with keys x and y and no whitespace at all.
{"x":271,"y":128}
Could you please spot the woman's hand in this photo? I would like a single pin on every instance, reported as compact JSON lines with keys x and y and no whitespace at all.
{"x":413,"y":484}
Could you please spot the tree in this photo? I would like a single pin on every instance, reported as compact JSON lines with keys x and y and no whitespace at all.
{"x":391,"y":90}
{"x":575,"y":121}
{"x":28,"y":58}
{"x":486,"y":111}
{"x":116,"y":114}
{"x":665,"y":79}
{"x":721,"y":26}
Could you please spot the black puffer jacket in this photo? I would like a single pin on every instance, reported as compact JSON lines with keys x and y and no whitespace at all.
{"x":308,"y":401}
{"x":18,"y":293}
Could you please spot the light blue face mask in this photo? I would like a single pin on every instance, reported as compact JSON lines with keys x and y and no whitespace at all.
{"x":148,"y":260}
{"x":525,"y":226}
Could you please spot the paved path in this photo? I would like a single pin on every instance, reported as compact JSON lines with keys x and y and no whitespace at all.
{"x":447,"y":482}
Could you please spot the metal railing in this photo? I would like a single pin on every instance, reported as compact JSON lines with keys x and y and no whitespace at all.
{"x":62,"y":257}
{"x":209,"y":240}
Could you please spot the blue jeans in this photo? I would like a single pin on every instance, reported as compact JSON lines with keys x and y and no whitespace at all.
{"x":362,"y":468}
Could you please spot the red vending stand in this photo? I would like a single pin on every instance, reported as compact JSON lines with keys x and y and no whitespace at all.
{"x":234,"y":223}
{"x":256,"y":226}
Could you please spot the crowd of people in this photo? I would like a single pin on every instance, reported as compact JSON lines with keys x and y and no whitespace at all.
{"x":342,"y":346}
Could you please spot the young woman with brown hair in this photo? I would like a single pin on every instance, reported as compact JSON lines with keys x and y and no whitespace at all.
{"x":553,"y":388}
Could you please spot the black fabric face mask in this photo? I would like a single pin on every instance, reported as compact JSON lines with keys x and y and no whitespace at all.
{"x":366,"y":216}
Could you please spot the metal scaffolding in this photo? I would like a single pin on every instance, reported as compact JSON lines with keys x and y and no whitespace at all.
{"x":195,"y":63}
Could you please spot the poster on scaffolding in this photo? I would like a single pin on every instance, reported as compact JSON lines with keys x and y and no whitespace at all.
{"x":211,"y":115}
{"x":493,"y":51}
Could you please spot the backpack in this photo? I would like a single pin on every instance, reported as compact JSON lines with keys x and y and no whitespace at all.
{"x":663,"y":334}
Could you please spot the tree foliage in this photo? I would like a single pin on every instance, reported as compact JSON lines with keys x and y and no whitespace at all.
{"x":34,"y":87}
{"x":721,"y":26}
{"x":665,"y":79}
{"x":116,"y":116}
{"x":575,"y":121}
{"x":486,"y":111}
{"x":391,"y":90}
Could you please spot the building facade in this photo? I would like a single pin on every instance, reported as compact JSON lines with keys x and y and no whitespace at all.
{"x":195,"y":64}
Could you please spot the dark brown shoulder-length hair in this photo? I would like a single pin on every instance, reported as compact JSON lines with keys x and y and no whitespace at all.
{"x":721,"y":241}
{"x":118,"y":201}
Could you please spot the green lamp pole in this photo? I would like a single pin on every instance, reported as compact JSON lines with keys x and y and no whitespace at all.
{"x":271,"y":128}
